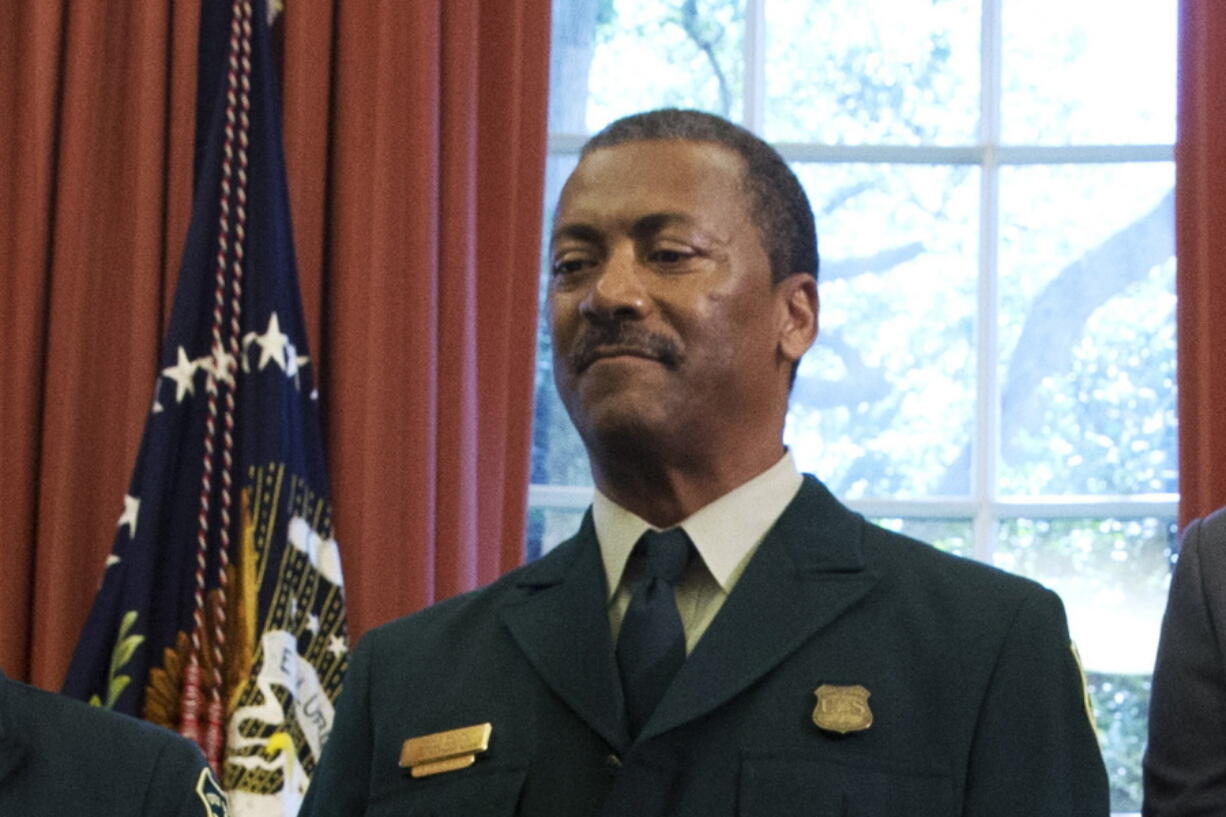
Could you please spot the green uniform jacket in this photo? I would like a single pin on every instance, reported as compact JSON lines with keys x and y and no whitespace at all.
{"x":59,"y":756}
{"x":977,"y":702}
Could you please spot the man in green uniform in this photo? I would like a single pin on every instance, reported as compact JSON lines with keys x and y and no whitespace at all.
{"x":59,"y":756}
{"x":721,"y":636}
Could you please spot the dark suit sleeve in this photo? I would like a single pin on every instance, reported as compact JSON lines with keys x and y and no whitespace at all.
{"x":341,"y":783}
{"x":1035,"y":750}
{"x":1185,"y":761}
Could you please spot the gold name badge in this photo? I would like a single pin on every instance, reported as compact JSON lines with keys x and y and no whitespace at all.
{"x":842,"y":709}
{"x":445,"y":751}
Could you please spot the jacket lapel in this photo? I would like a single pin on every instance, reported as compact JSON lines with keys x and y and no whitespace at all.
{"x":808,"y":570}
{"x":560,"y":621}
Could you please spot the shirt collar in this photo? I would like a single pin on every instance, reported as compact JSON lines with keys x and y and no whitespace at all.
{"x":724,"y":532}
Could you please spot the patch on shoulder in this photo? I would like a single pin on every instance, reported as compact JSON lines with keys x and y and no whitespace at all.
{"x":211,"y":795}
{"x":1085,"y":688}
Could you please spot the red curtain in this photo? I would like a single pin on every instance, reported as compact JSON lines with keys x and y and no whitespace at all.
{"x":1200,"y":235}
{"x":415,"y":140}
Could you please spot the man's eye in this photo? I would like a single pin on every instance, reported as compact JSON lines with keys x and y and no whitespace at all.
{"x":569,"y":266}
{"x":670,"y":256}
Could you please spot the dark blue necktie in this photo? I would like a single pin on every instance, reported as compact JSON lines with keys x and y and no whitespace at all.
{"x":651,"y":644}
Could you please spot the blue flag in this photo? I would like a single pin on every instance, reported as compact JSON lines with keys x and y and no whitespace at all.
{"x":221,"y":610}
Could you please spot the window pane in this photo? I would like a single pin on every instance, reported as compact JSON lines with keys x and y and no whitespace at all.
{"x":547,"y":527}
{"x":950,"y":535}
{"x":1113,"y":576}
{"x":850,"y":72}
{"x":558,"y":456}
{"x":615,"y":57}
{"x":884,"y":404}
{"x":1087,"y":330}
{"x":1089,"y":72}
{"x":1121,"y":712}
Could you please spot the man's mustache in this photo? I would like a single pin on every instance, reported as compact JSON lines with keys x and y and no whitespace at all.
{"x":625,"y":338}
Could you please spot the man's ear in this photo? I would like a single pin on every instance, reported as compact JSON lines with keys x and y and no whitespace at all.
{"x":798,"y":315}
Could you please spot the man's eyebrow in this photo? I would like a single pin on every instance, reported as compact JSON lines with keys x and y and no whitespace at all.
{"x":653,"y":223}
{"x":577,"y":232}
{"x":644,"y":227}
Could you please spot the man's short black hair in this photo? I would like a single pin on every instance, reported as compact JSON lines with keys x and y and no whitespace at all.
{"x":780,"y":207}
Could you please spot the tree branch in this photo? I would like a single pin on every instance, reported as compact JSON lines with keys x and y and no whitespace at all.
{"x":690,"y":25}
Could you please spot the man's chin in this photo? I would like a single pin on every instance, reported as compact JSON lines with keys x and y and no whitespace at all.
{"x":618,"y":379}
{"x":620,"y":414}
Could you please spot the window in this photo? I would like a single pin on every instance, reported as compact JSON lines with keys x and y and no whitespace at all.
{"x":993,"y":184}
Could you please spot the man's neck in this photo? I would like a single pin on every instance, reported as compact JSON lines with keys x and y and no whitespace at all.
{"x":664,"y":492}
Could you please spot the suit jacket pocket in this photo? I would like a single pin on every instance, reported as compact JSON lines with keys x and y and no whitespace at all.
{"x":788,"y":785}
{"x":473,"y":792}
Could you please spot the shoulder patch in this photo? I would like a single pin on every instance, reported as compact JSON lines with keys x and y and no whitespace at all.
{"x":1085,"y":689}
{"x":211,"y":795}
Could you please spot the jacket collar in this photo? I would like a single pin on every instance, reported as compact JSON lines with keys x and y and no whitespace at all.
{"x":559,"y":619}
{"x":809,"y":569}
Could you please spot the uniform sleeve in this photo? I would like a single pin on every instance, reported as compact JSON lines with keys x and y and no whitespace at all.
{"x":182,"y":785}
{"x":1035,"y":750}
{"x":1185,"y":761}
{"x":341,"y":783}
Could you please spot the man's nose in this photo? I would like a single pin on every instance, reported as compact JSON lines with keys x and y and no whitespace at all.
{"x":619,"y":290}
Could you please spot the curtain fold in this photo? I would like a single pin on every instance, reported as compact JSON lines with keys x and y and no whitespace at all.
{"x":94,"y":203}
{"x":1200,"y":235}
{"x":415,"y":142}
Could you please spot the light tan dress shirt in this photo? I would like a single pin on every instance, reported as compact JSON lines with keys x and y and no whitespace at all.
{"x":726,"y":534}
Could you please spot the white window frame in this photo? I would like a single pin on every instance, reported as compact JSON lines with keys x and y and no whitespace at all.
{"x":983,"y":507}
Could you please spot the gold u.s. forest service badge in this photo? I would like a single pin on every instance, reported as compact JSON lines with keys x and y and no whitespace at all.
{"x":842,"y":709}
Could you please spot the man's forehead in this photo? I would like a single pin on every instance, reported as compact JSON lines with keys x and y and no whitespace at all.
{"x":653,"y":154}
{"x":652,"y":178}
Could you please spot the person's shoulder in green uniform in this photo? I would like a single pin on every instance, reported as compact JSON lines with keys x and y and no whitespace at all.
{"x":60,"y":756}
